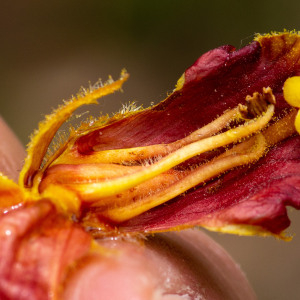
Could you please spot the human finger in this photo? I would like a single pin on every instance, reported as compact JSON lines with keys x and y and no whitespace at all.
{"x":182,"y":265}
{"x":12,"y":152}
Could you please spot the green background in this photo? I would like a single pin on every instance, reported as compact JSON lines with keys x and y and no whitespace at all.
{"x":50,"y":48}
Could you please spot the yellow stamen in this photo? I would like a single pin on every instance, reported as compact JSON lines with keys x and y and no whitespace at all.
{"x":291,"y":93}
{"x":122,"y":183}
{"x":70,"y":204}
{"x":220,"y":164}
{"x":244,"y":153}
{"x":113,"y":186}
{"x":140,"y":153}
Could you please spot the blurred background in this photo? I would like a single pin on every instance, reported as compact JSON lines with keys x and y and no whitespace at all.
{"x":51,"y":48}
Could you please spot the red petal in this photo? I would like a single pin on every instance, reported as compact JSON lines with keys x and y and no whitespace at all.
{"x":249,"y":196}
{"x":37,"y":247}
{"x":218,"y":80}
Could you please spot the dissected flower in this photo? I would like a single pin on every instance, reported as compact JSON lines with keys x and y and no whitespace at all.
{"x":222,"y":152}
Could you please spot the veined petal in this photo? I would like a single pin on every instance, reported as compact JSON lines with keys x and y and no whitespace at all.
{"x":217,"y":81}
{"x":200,"y":157}
{"x":250,"y":200}
{"x":254,"y":197}
{"x":38,"y":249}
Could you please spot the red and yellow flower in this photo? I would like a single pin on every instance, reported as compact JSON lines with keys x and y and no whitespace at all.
{"x":222,"y":152}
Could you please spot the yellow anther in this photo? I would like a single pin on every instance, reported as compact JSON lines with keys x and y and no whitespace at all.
{"x":291,"y":91}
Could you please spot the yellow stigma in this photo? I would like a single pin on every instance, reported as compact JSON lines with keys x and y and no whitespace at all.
{"x":291,"y":93}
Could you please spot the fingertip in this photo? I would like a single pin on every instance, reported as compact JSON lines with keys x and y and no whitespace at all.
{"x":12,"y":152}
{"x":112,"y":279}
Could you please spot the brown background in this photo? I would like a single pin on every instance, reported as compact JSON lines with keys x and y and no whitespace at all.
{"x":48,"y":49}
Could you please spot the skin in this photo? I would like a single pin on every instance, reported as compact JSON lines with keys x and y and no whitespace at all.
{"x":12,"y":152}
{"x":169,"y":266}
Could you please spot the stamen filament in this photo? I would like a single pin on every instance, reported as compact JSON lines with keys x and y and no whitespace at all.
{"x":244,"y":153}
{"x":113,"y":186}
{"x":241,"y":154}
{"x":139,"y":153}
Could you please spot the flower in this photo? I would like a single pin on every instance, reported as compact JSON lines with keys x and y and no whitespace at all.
{"x":220,"y":152}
